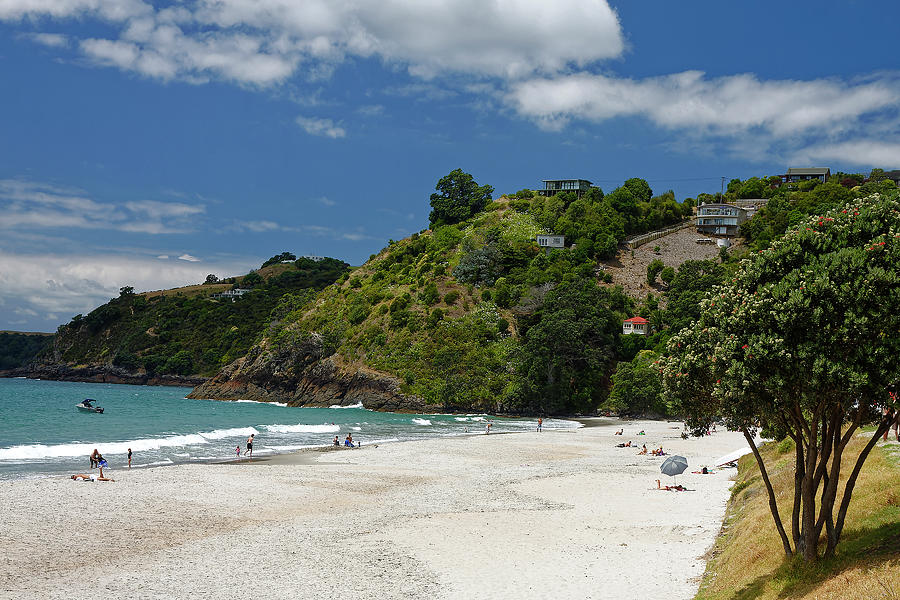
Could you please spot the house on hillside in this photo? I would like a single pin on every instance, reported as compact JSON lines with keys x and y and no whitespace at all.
{"x":555,"y":186}
{"x":551,"y":241}
{"x":230,"y":294}
{"x":638,"y":325}
{"x":720,"y":219}
{"x":795,"y":174}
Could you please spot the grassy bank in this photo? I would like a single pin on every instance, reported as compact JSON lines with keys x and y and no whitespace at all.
{"x":748,"y":563}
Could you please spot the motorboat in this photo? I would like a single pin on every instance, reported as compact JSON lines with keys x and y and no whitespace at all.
{"x":87,"y":405}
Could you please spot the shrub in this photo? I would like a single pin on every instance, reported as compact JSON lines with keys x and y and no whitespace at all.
{"x":653,"y":269}
{"x":451,"y":297}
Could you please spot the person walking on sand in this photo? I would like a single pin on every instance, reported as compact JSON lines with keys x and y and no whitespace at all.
{"x":129,"y":458}
{"x":540,"y":423}
{"x":250,"y":445}
{"x":237,"y":451}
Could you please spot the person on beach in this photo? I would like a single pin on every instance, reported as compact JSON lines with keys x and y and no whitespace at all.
{"x":643,"y":450}
{"x":129,"y":458}
{"x":336,"y":443}
{"x":237,"y":451}
{"x":101,"y":462}
{"x":94,"y":458}
{"x":540,"y":423}
{"x":619,"y":432}
{"x":250,"y":445}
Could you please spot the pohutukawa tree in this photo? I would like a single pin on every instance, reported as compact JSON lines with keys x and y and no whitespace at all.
{"x":803,"y":343}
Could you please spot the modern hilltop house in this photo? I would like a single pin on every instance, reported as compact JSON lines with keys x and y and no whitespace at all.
{"x":794,"y":174}
{"x":555,"y":186}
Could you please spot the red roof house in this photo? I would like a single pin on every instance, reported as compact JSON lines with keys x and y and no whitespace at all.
{"x":638,"y":325}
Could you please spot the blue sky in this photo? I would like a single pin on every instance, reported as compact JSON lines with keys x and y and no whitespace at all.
{"x":150,"y":143}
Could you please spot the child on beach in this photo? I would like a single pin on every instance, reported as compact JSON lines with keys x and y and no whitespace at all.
{"x":237,"y":451}
{"x":540,"y":423}
{"x":129,"y":458}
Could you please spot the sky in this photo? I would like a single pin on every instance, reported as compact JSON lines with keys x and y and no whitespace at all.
{"x":148,"y":144}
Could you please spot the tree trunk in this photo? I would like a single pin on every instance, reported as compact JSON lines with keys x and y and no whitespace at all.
{"x":851,"y":483}
{"x":773,"y":505}
{"x":808,"y":538}
{"x":798,"y":479}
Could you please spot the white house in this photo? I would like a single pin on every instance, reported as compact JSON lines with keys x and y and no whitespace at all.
{"x":638,"y":325}
{"x":551,"y":241}
{"x":720,"y":219}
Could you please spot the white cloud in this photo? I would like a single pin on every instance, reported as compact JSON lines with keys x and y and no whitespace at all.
{"x":753,"y":116}
{"x":51,"y":40}
{"x":163,"y":257}
{"x":324,"y":201}
{"x":188,"y":258}
{"x":322,"y":127}
{"x":263,"y":42}
{"x":45,"y":288}
{"x":30,"y":205}
{"x":856,"y":152}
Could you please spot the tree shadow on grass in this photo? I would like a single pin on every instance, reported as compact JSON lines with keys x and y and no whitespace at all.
{"x":867,"y":547}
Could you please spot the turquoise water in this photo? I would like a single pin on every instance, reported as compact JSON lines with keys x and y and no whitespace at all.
{"x":42,"y":433}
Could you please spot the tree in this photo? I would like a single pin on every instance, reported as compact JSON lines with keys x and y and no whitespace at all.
{"x":458,"y":197}
{"x":636,"y":388}
{"x":126,"y":292}
{"x":252,"y":278}
{"x":566,"y":355}
{"x":667,"y":275}
{"x":653,"y":269}
{"x":802,"y":343}
{"x":280,"y":258}
{"x":211,"y":278}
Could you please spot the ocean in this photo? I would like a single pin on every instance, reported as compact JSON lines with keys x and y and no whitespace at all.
{"x":43,"y":434}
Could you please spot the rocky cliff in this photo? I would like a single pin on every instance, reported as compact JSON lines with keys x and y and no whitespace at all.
{"x":100,"y":374}
{"x":300,"y":375}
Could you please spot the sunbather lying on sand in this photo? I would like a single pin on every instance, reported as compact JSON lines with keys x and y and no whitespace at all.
{"x":670,"y":488}
{"x":91,"y":477}
{"x":643,"y":450}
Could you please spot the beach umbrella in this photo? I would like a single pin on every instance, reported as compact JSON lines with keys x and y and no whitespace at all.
{"x":674,"y":465}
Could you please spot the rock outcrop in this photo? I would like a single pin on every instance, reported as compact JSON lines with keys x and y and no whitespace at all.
{"x":100,"y":374}
{"x":300,"y":375}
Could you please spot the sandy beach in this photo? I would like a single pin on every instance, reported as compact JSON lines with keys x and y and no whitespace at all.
{"x":559,"y":514}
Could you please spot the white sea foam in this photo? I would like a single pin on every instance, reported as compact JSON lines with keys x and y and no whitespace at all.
{"x":219,"y":434}
{"x":421,"y":421}
{"x":301,"y":428}
{"x":40,"y":451}
{"x":258,"y":402}
{"x":357,"y":405}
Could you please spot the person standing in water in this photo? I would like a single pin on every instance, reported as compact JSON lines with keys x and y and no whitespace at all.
{"x":250,"y":445}
{"x":94,"y":459}
{"x":129,"y":458}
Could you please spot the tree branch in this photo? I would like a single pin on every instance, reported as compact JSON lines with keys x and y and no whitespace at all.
{"x":773,"y":505}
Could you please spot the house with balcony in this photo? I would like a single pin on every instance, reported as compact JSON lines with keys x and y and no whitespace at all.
{"x":638,"y":325}
{"x":795,"y":175}
{"x":556,"y":186}
{"x":720,"y":219}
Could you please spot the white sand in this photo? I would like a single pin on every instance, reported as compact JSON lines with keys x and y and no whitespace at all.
{"x":550,"y":515}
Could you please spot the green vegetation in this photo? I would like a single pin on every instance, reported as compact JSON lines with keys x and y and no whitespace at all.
{"x":866,"y":564}
{"x":18,"y":349}
{"x":474,"y":315}
{"x":790,"y":204}
{"x":186,"y":335}
{"x":802,"y":343}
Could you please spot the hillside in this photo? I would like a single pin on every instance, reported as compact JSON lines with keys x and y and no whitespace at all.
{"x":471,"y":315}
{"x":176,"y":336}
{"x":18,"y":348}
{"x":747,"y":562}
